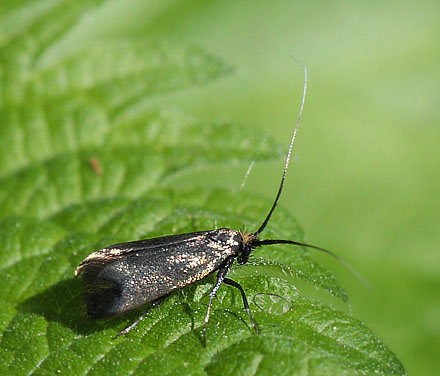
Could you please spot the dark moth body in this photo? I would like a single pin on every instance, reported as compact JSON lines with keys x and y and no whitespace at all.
{"x":126,"y":276}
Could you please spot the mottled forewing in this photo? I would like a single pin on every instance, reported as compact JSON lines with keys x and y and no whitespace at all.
{"x":128,"y":275}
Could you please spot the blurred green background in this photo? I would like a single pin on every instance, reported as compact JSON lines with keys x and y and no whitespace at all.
{"x":365,"y":178}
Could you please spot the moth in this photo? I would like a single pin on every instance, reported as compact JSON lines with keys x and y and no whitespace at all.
{"x":126,"y":276}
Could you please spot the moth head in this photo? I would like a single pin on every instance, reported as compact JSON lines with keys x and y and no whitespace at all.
{"x":248,"y":244}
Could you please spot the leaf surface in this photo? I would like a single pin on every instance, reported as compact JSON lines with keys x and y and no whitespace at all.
{"x":86,"y":161}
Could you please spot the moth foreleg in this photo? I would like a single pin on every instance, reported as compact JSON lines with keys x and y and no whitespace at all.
{"x":220,"y":278}
{"x":230,"y":282}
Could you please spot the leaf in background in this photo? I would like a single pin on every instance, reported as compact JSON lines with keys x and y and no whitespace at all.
{"x":116,"y":73}
{"x":134,"y":155}
{"x":27,"y":30}
{"x":84,"y":163}
{"x":75,"y":103}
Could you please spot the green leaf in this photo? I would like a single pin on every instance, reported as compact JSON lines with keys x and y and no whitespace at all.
{"x":86,"y":162}
{"x":307,"y":333}
{"x":81,"y":113}
{"x":28,"y":29}
{"x":134,"y":156}
{"x":116,"y":73}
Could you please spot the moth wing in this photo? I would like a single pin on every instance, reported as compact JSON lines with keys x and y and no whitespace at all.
{"x":115,"y":251}
{"x":141,"y":274}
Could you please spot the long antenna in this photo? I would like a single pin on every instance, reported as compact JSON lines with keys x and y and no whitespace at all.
{"x":353,"y":271}
{"x":289,"y":153}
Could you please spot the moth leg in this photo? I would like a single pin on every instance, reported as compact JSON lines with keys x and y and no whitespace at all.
{"x":220,"y":278}
{"x":230,"y":282}
{"x":150,"y":307}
